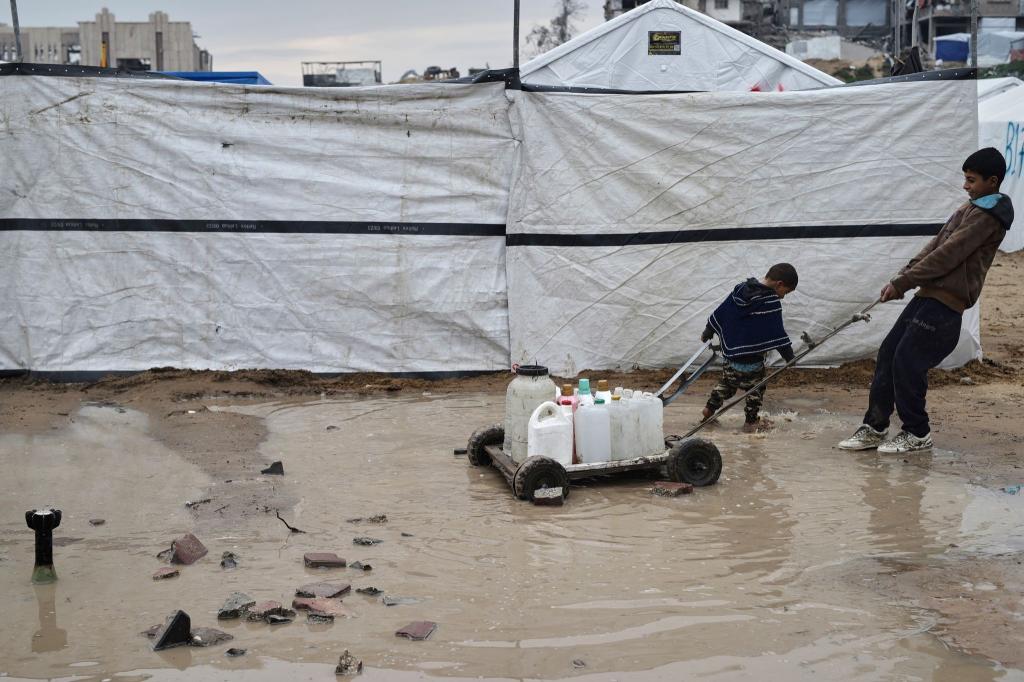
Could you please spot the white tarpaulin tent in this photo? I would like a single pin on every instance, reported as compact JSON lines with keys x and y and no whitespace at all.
{"x":706,"y":55}
{"x":156,"y":222}
{"x":631,"y":218}
{"x":1001,"y":125}
{"x":152,"y":223}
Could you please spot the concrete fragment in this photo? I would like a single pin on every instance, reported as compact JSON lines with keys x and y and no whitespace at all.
{"x":187,"y":550}
{"x":323,"y":560}
{"x":176,"y":631}
{"x":209,"y":637}
{"x":407,"y":535}
{"x":237,"y":605}
{"x":548,"y":497}
{"x":271,"y":611}
{"x":235,"y":652}
{"x":348,"y":665}
{"x":165,"y":573}
{"x":671,"y":489}
{"x":97,"y":522}
{"x":366,"y":541}
{"x":277,"y":619}
{"x":359,"y":565}
{"x":165,"y":555}
{"x":229,"y":560}
{"x":369,"y":591}
{"x":397,"y":601}
{"x":417,"y":630}
{"x":322,"y":590}
{"x":967,"y":381}
{"x":324,"y":609}
{"x":275,"y":469}
{"x":578,"y":663}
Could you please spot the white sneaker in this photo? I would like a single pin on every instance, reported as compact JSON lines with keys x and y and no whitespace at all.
{"x":864,"y":438}
{"x":905,"y":442}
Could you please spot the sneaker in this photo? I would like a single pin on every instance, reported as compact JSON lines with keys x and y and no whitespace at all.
{"x":905,"y":442}
{"x":864,"y":438}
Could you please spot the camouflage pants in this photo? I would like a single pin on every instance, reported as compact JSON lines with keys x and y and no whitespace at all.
{"x":732,"y":380}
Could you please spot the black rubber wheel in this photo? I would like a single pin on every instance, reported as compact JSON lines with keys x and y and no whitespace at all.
{"x":536,"y":473}
{"x":481,"y":438}
{"x":695,"y":461}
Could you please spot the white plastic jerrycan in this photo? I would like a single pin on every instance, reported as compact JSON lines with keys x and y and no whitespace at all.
{"x":550,"y":434}
{"x":593,"y":433}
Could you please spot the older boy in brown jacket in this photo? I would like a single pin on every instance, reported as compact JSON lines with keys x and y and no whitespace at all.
{"x":948,"y":273}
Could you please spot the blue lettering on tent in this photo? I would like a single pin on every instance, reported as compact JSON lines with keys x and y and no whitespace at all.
{"x":1014,"y":149}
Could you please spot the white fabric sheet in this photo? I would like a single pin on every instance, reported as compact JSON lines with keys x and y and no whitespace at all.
{"x":386,"y":299}
{"x":604,"y":164}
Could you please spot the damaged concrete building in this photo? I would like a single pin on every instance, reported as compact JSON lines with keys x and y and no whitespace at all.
{"x":158,"y":44}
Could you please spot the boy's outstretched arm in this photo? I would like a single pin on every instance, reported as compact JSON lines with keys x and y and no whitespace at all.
{"x":944,"y":258}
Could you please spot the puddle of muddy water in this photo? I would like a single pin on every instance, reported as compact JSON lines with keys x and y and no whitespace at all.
{"x":769,"y":575}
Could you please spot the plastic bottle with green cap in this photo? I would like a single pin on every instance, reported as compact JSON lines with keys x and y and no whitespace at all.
{"x":585,"y":397}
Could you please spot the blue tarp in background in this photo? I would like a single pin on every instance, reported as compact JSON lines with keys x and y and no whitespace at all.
{"x":953,"y":48}
{"x":238,"y":77}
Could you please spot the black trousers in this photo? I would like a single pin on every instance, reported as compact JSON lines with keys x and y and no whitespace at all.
{"x":925,"y":333}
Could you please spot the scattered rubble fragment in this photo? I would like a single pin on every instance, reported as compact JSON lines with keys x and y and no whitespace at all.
{"x":348,"y":665}
{"x":236,"y":606}
{"x":331,"y":427}
{"x":461,"y":451}
{"x":322,"y":590}
{"x":376,"y":518}
{"x":360,"y":566}
{"x":407,"y":535}
{"x":277,"y":619}
{"x":578,"y":663}
{"x":193,"y":504}
{"x":671,"y":489}
{"x":397,"y":601}
{"x":967,"y":381}
{"x":165,"y":573}
{"x":176,"y":631}
{"x":233,"y":652}
{"x":366,"y":541}
{"x":417,"y":630}
{"x":209,"y":637}
{"x":548,"y":497}
{"x":271,"y":611}
{"x":229,"y":560}
{"x":369,"y":591}
{"x":323,"y":560}
{"x":97,"y":522}
{"x":187,"y":550}
{"x":275,"y":469}
{"x":320,"y":610}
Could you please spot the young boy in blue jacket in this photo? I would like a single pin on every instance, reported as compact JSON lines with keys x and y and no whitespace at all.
{"x":749,"y":324}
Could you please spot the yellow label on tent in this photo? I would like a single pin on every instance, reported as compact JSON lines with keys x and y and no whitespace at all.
{"x":663,"y":42}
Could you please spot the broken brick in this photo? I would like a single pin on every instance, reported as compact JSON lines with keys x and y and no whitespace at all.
{"x":322,"y":590}
{"x":270,"y":611}
{"x":187,"y":550}
{"x":165,"y":573}
{"x":323,"y":560}
{"x":321,"y":608}
{"x":672,"y":489}
{"x":417,"y":630}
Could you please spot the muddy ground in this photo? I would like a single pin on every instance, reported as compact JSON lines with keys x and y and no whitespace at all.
{"x":948,"y":585}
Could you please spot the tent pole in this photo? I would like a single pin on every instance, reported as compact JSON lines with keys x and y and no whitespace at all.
{"x":974,"y":34}
{"x":515,"y":36}
{"x":17,"y":30}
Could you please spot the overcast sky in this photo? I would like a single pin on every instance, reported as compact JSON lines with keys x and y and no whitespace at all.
{"x":273,"y":37}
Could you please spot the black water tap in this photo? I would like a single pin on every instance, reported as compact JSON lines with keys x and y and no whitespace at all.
{"x":43,"y":521}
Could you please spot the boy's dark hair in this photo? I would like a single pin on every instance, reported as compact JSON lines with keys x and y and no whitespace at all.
{"x":986,"y":163}
{"x":785,"y":273}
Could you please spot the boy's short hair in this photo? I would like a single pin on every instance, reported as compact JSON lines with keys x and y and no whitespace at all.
{"x":785,"y":273}
{"x":986,"y":163}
